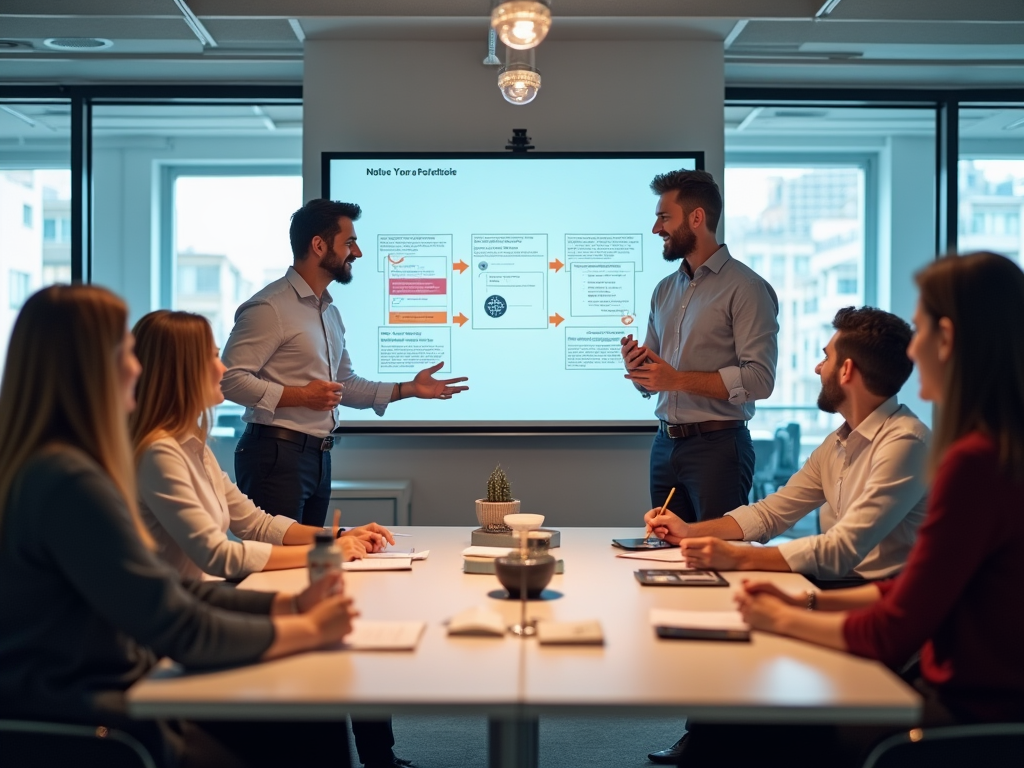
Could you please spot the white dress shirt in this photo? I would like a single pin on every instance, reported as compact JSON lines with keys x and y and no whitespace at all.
{"x":870,"y":485}
{"x":189,"y":504}
{"x":287,"y":336}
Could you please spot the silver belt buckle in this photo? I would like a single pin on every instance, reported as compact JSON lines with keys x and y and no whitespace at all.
{"x":326,"y":444}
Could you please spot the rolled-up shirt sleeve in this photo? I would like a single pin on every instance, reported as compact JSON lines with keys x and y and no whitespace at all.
{"x":894,"y":487}
{"x":165,"y":487}
{"x":756,"y":332}
{"x":253,"y":340}
{"x":767,"y":518}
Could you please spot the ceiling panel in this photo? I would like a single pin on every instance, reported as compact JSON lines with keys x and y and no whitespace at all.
{"x":90,"y":7}
{"x":109,"y":27}
{"x":226,"y":31}
{"x":768,"y":33}
{"x":934,"y":10}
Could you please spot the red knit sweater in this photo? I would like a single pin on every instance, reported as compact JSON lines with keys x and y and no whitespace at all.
{"x":960,"y":599}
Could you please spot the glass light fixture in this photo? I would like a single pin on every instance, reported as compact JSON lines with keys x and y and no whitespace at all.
{"x":521,"y":24}
{"x":519,"y":79}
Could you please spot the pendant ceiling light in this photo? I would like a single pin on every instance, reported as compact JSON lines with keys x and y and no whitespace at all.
{"x":521,"y":24}
{"x":519,"y":79}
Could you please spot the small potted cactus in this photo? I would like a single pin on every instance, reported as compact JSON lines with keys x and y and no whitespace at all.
{"x":491,"y":511}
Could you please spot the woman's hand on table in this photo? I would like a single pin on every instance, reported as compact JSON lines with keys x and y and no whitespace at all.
{"x":374,"y":537}
{"x":352,"y":548}
{"x":324,"y":618}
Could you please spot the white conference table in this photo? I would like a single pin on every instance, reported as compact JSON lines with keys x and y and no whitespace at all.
{"x":515,"y":681}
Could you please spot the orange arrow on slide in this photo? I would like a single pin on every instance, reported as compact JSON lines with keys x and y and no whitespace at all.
{"x":555,"y":265}
{"x":461,"y":319}
{"x":461,"y":266}
{"x":556,"y":319}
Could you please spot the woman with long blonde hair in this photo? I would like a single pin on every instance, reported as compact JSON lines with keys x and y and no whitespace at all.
{"x":86,"y":608}
{"x":186,"y":500}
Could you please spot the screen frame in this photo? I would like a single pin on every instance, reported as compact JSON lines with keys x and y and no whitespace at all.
{"x":500,"y":428}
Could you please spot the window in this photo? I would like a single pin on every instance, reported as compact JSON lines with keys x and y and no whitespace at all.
{"x":35,"y":186}
{"x":49,"y":230}
{"x":815,"y":217}
{"x":223,"y":259}
{"x":19,"y":286}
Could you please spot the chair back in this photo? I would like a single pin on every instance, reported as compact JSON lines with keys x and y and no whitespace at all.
{"x":998,"y":745}
{"x":31,"y":744}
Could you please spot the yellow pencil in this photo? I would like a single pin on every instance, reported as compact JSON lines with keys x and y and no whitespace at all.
{"x":647,"y":530}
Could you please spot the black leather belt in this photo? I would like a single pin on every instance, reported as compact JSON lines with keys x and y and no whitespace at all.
{"x":697,"y":428}
{"x":308,"y":442}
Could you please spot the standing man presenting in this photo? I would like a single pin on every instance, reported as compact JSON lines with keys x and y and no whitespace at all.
{"x":288,"y":365}
{"x":710,"y":352}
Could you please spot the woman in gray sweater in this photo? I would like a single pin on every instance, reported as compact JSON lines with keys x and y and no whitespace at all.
{"x":86,"y":609}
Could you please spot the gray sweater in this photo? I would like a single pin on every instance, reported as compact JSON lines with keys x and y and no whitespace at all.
{"x":86,"y":610}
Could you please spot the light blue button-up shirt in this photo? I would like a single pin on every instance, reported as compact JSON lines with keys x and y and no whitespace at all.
{"x":724,"y":319}
{"x":286,"y":336}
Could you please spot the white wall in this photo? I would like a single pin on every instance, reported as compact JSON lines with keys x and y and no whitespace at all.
{"x":436,"y":96}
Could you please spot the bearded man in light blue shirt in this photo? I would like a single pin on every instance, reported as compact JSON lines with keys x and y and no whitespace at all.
{"x":710,"y":352}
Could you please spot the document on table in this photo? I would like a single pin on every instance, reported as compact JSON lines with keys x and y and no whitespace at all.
{"x":570,"y":633}
{"x":399,"y":554}
{"x":663,"y":617}
{"x":384,"y":635}
{"x":699,"y":625}
{"x":477,"y":551}
{"x":674,"y":555}
{"x":386,"y":564}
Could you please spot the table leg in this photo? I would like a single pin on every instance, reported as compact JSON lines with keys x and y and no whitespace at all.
{"x":513,"y":742}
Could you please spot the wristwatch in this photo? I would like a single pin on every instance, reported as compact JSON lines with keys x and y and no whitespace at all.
{"x":812,"y":600}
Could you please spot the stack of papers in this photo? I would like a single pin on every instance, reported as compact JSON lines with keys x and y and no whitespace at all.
{"x":399,"y":554}
{"x":489,"y":552}
{"x":379,"y":564}
{"x":384,"y":635}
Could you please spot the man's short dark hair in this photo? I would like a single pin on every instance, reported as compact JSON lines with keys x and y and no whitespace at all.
{"x":877,"y":343}
{"x":694,"y":189}
{"x":318,"y":218}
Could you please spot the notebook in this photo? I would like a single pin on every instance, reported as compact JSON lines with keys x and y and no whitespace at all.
{"x":699,"y":625}
{"x":384,"y":635}
{"x":570,"y":633}
{"x":477,"y":621}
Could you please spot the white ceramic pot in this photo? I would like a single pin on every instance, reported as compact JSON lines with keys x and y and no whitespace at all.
{"x":491,"y":514}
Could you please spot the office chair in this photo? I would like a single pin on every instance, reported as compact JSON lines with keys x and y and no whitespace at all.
{"x":955,"y":746}
{"x":30,"y":744}
{"x":783,"y":462}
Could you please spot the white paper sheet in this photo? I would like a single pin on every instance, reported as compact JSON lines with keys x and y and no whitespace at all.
{"x":399,"y":554}
{"x":384,"y":635}
{"x":387,"y":564}
{"x":661,"y":617}
{"x":486,"y":551}
{"x":674,"y":555}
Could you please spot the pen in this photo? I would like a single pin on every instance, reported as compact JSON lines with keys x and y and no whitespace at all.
{"x":648,"y":531}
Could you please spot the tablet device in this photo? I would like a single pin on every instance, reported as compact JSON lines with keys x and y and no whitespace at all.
{"x":664,"y":577}
{"x":637,"y":545}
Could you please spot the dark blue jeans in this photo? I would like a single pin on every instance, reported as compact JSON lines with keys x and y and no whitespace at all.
{"x":711,"y":473}
{"x":284,"y":478}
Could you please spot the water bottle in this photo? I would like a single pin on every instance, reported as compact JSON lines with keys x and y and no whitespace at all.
{"x":324,"y":557}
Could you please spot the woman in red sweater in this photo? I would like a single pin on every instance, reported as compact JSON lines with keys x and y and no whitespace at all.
{"x":958,"y":599}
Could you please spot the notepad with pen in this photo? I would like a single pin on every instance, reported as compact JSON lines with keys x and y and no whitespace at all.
{"x":677,"y":577}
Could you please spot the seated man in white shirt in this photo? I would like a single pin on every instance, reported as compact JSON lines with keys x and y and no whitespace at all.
{"x":868,"y":477}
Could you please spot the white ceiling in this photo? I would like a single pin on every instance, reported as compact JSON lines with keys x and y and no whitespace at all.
{"x":937,"y":43}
